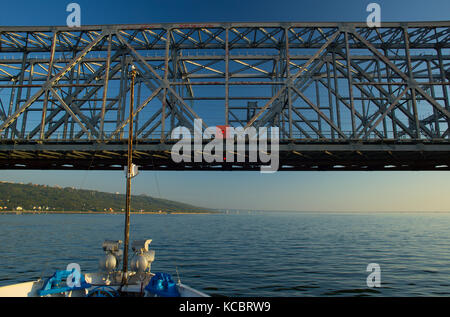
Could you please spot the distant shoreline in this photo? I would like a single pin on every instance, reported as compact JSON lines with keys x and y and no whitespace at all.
{"x":108,"y":212}
{"x":32,"y":198}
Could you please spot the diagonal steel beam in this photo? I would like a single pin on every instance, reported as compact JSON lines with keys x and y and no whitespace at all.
{"x":163,"y":83}
{"x":264,"y":108}
{"x":86,"y":97}
{"x":142,"y":106}
{"x":319,"y":112}
{"x":319,"y":51}
{"x":414,"y":84}
{"x":72,"y":114}
{"x":373,"y":125}
{"x":50,"y":82}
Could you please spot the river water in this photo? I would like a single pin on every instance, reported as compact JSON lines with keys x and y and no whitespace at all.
{"x":248,"y":254}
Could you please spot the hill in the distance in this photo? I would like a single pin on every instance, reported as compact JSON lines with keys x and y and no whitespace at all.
{"x":47,"y":198}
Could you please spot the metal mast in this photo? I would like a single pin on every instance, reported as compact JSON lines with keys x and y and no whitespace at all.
{"x":129,"y":176}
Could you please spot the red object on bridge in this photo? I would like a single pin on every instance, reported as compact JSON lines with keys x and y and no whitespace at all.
{"x":224,"y":132}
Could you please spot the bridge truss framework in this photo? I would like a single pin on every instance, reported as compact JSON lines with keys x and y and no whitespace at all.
{"x":344,"y":96}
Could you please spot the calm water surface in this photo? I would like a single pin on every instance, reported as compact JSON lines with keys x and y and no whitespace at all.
{"x":257,"y":254}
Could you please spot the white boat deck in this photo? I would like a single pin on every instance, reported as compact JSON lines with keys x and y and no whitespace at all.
{"x":135,"y":287}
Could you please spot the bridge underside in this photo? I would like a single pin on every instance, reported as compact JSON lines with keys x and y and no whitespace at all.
{"x":343,"y":96}
{"x":323,"y":156}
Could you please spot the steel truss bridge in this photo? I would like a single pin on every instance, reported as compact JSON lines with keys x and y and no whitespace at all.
{"x":344,"y":96}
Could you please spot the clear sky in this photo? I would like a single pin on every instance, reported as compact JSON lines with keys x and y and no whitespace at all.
{"x":305,"y":191}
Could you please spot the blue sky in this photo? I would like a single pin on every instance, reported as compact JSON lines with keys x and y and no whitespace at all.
{"x":52,"y":12}
{"x":307,"y":191}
